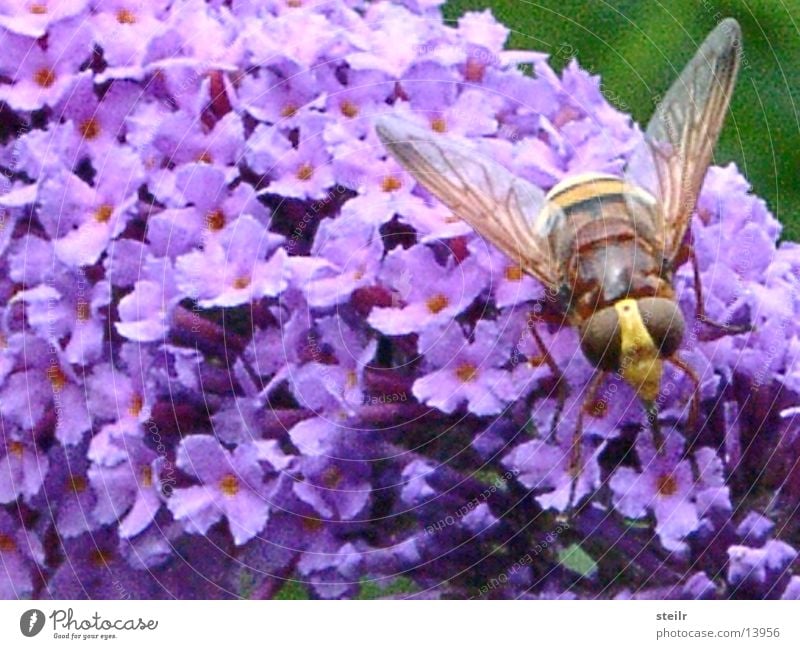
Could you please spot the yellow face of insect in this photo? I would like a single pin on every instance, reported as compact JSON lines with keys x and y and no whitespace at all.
{"x":640,"y":362}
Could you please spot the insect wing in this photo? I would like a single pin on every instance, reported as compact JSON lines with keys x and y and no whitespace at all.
{"x":679,"y":141}
{"x":499,"y":205}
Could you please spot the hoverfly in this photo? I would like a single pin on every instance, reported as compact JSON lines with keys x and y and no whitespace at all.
{"x":607,"y":247}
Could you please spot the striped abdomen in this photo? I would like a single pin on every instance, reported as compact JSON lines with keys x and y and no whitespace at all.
{"x":601,"y":231}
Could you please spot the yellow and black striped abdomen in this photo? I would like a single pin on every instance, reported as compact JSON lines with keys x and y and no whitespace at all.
{"x":601,"y":231}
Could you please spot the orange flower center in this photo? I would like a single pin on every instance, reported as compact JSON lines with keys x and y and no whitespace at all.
{"x":596,"y":408}
{"x":44,"y":77}
{"x":466,"y":372}
{"x":147,"y":476}
{"x":305,"y":171}
{"x":513,"y":273}
{"x":101,"y":558}
{"x":16,"y":448}
{"x":136,"y":404}
{"x":436,"y":303}
{"x":474,"y":70}
{"x":332,"y":477}
{"x":667,"y":485}
{"x":103,"y":213}
{"x":126,"y":17}
{"x":38,"y":8}
{"x":82,"y":310}
{"x":241,"y":282}
{"x":439,"y":125}
{"x":205,"y":157}
{"x":391,"y":184}
{"x":77,"y":483}
{"x":215,"y":220}
{"x":312,"y":525}
{"x":349,"y":109}
{"x":289,"y":110}
{"x":7,"y":544}
{"x":89,"y":128}
{"x":229,"y":485}
{"x":56,"y":377}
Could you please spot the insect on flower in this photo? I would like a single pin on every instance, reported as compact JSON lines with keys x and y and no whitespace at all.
{"x":605,"y":246}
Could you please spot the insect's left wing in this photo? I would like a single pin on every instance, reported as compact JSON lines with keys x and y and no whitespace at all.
{"x":497,"y":204}
{"x":679,"y":141}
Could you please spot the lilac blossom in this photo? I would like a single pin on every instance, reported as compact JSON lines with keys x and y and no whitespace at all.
{"x":243,"y":351}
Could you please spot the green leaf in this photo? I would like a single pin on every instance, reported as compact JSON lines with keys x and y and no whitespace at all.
{"x":292,"y":590}
{"x":374,"y":590}
{"x":577,"y":560}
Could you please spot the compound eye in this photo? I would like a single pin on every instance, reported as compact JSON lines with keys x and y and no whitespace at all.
{"x":664,"y":322}
{"x":601,"y":340}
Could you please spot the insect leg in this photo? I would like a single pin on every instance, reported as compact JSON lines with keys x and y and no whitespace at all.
{"x":558,"y":375}
{"x":694,"y":406}
{"x":700,"y":309}
{"x":575,"y":461}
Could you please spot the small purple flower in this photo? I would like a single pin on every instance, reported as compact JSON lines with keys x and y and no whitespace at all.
{"x":755,"y":565}
{"x":22,"y":467}
{"x":469,"y":371}
{"x":232,"y":486}
{"x":231,"y":270}
{"x":547,"y":468}
{"x":21,"y":559}
{"x":39,"y":77}
{"x":426,"y":293}
{"x":665,"y":486}
{"x":130,"y":490}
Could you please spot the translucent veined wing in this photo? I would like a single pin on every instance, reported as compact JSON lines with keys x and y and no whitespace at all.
{"x":680,"y":138}
{"x":497,"y":204}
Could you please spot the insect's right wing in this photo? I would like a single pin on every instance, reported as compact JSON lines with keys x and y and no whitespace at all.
{"x":497,"y":204}
{"x":679,"y":141}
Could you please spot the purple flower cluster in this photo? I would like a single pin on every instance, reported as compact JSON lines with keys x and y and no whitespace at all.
{"x":243,"y":354}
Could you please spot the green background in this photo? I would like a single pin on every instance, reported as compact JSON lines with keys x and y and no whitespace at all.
{"x":639,"y":47}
